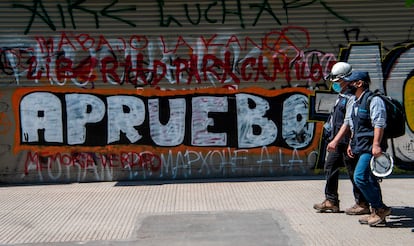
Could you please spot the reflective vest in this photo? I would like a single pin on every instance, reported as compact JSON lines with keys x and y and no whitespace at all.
{"x":337,"y":118}
{"x":363,"y":136}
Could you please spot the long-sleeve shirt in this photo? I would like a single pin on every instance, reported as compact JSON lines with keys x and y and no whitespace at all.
{"x":378,"y":113}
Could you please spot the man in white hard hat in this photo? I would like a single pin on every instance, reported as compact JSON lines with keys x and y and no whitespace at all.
{"x":338,"y":157}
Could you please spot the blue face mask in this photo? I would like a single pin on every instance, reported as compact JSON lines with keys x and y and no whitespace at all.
{"x":336,"y":87}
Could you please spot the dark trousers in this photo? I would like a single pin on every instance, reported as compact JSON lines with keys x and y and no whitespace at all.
{"x":335,"y":160}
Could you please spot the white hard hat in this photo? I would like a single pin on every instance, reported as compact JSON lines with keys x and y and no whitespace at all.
{"x":382,"y":165}
{"x":340,"y":70}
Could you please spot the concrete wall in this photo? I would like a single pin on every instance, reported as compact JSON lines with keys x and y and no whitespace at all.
{"x":133,"y":90}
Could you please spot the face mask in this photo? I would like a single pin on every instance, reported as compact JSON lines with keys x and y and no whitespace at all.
{"x":336,"y":87}
{"x":352,"y":89}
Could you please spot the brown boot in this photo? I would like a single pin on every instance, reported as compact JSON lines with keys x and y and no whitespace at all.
{"x":364,"y":219}
{"x":327,"y":206}
{"x":378,"y":215}
{"x":358,"y":209}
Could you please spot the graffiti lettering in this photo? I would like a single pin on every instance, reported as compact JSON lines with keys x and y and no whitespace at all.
{"x":57,"y":163}
{"x":183,"y":15}
{"x":77,"y":166}
{"x":38,"y":10}
{"x":53,"y":119}
{"x":82,"y":60}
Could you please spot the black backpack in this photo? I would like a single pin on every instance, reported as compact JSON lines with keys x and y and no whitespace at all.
{"x":395,"y":115}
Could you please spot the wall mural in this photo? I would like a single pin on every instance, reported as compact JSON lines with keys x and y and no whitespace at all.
{"x":81,"y":60}
{"x":150,"y":129}
{"x":81,"y":106}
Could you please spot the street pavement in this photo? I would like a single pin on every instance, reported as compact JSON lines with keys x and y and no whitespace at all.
{"x":242,"y":212}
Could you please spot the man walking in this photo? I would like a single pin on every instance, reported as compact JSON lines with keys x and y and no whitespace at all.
{"x":338,"y":156}
{"x":368,"y":123}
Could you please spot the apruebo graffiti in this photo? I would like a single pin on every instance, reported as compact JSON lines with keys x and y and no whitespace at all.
{"x":240,"y":120}
{"x":173,"y":129}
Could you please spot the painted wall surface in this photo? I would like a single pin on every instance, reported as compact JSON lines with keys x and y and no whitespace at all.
{"x":133,"y":90}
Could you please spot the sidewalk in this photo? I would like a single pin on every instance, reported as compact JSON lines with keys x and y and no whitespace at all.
{"x":216,"y":212}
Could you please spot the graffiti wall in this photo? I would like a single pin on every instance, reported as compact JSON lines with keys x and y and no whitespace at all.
{"x":126,"y":90}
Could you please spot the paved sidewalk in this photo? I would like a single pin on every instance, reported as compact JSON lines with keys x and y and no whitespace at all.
{"x":217,"y":212}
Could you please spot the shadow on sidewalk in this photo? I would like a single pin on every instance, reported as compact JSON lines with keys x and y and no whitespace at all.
{"x":122,"y":183}
{"x":401,"y":217}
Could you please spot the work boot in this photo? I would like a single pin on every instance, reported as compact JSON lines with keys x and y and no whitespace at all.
{"x":358,"y":209}
{"x":378,"y":215}
{"x":364,"y":219}
{"x":327,"y":206}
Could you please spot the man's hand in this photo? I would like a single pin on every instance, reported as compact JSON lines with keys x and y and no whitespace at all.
{"x":349,"y":152}
{"x":332,"y":146}
{"x":376,"y":150}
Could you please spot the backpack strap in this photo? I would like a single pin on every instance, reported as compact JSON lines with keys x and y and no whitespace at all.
{"x":369,"y":99}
